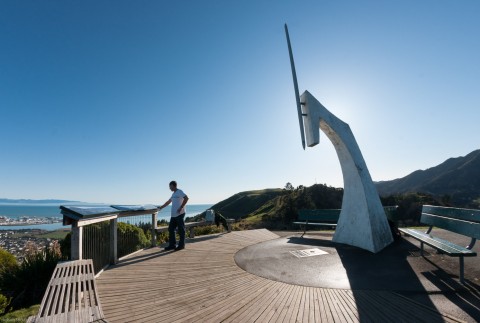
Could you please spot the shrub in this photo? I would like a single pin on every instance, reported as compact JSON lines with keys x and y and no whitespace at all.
{"x":8,"y":261}
{"x":209,"y":229}
{"x":27,"y":283}
{"x":66,"y":246}
{"x":162,"y":237}
{"x":4,"y":302}
{"x":20,"y":315}
{"x":130,"y":239}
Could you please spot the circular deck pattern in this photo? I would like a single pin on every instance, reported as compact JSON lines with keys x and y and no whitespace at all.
{"x":317,"y":262}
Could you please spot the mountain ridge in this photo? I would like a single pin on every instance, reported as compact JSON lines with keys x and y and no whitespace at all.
{"x":32,"y":201}
{"x":456,"y":178}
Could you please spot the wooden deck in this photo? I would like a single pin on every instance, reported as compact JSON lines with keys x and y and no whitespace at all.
{"x":203,"y":284}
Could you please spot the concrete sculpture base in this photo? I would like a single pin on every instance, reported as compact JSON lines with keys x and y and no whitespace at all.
{"x":362,"y":221}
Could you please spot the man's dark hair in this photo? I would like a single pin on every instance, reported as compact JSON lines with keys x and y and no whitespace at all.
{"x":173,"y":183}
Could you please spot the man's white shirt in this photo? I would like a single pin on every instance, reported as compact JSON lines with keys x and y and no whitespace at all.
{"x":177,"y":199}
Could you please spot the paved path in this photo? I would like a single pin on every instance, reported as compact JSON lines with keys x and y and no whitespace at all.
{"x":204,"y":284}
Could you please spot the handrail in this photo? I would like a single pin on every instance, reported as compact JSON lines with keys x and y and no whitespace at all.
{"x":80,"y":217}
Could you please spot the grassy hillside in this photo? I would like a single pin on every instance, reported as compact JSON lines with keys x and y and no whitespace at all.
{"x":277,"y":208}
{"x":241,"y":204}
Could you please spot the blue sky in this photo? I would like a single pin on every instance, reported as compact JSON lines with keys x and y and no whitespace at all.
{"x":107,"y":101}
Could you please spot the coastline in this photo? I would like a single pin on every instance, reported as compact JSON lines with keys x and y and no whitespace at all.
{"x":23,"y":221}
{"x":49,"y":218}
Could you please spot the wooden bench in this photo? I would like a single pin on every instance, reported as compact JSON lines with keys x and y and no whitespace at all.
{"x":323,"y":217}
{"x":329,"y":217}
{"x":462,"y":221}
{"x":190,"y":226}
{"x":71,"y":295}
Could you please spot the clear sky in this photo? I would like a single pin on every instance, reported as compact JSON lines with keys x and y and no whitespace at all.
{"x":107,"y":101}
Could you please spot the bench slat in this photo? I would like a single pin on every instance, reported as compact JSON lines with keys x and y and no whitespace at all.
{"x":332,"y":215}
{"x":329,"y":217}
{"x":461,"y":221}
{"x":446,"y":246}
{"x":319,"y":215}
{"x":71,"y":294}
{"x":317,"y":223}
{"x":455,"y":213}
{"x":466,"y":228}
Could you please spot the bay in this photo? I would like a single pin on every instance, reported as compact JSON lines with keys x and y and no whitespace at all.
{"x":16,"y":211}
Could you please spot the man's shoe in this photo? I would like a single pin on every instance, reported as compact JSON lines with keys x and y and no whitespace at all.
{"x":170,"y":248}
{"x":179,"y":248}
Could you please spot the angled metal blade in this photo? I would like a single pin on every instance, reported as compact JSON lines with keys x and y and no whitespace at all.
{"x":295,"y":85}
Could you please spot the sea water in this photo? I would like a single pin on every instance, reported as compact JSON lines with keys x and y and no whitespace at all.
{"x":16,"y":211}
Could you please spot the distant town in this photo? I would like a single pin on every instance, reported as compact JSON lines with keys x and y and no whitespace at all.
{"x":19,"y":242}
{"x":25,"y":220}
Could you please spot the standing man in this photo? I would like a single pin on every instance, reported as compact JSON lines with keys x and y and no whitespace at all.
{"x":178,"y":200}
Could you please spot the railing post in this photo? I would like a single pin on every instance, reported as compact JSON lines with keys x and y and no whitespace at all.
{"x":154,"y":227}
{"x":113,"y":242}
{"x":77,"y":241}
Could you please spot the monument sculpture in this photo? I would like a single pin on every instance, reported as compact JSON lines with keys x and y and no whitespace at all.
{"x":362,"y":221}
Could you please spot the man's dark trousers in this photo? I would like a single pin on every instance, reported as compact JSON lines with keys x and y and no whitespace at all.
{"x":178,"y":221}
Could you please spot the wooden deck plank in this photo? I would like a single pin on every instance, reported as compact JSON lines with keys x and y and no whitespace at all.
{"x":216,"y":295}
{"x":294,"y":305}
{"x":257,"y":306}
{"x":320,"y":314}
{"x":311,"y":305}
{"x":272,"y":306}
{"x":284,"y":307}
{"x":326,"y":316}
{"x":276,"y":310}
{"x":349,"y":304}
{"x":381,"y":300}
{"x":203,"y":284}
{"x":169,"y":303}
{"x":221,"y":308}
{"x":333,"y":309}
{"x":240,"y":300}
{"x":367,"y":312}
{"x":245,"y":303}
{"x":342,"y":306}
{"x":348,"y":310}
{"x":301,"y":306}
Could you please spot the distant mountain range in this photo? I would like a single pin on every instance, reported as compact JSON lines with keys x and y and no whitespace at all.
{"x":457,"y":179}
{"x":28,"y":201}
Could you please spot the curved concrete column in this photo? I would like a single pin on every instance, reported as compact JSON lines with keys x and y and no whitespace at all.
{"x":362,"y":221}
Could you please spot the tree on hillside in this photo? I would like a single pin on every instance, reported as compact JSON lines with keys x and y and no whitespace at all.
{"x":410,"y":206}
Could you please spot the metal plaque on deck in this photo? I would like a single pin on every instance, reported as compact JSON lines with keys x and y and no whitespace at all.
{"x":308,"y":253}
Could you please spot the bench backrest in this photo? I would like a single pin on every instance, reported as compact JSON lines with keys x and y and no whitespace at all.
{"x":323,"y":215}
{"x":462,"y":221}
{"x":332,"y":215}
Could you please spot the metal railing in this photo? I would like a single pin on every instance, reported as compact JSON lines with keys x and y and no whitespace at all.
{"x":134,"y":233}
{"x":95,"y":244}
{"x":105,"y":234}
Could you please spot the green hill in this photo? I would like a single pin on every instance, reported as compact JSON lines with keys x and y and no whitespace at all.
{"x":244,"y":203}
{"x":277,"y":208}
